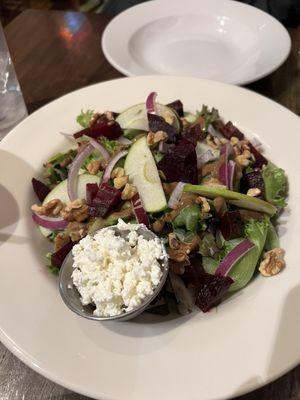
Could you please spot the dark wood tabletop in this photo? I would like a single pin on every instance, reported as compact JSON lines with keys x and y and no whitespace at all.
{"x":56,"y":52}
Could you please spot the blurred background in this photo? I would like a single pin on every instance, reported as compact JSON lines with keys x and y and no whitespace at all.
{"x":287,"y":11}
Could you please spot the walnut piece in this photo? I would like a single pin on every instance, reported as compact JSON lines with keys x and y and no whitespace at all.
{"x":76,"y":210}
{"x":272,"y":262}
{"x":179,"y":251}
{"x":120,"y":182}
{"x":118,"y":173}
{"x":93,"y":166}
{"x":50,"y":209}
{"x":204,"y":204}
{"x":76,"y":230}
{"x":243,"y":159}
{"x":156,"y":137}
{"x":234,"y":140}
{"x":219,"y":204}
{"x":214,"y":183}
{"x":158,"y":226}
{"x":128,"y":192}
{"x":254,"y":192}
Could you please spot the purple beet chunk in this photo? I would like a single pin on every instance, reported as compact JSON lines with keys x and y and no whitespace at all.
{"x":231,"y":225}
{"x":59,"y":256}
{"x":40,"y":189}
{"x":177,"y":106}
{"x":211,"y":291}
{"x":102,"y":127}
{"x":91,"y":192}
{"x":181,"y":164}
{"x":105,"y":200}
{"x":157,"y":123}
{"x":229,"y":130}
{"x":195,"y":133}
{"x":192,"y":272}
{"x":260,"y":160}
{"x":253,"y":180}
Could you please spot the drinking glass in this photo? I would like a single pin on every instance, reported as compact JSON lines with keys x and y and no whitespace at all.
{"x":12,"y":106}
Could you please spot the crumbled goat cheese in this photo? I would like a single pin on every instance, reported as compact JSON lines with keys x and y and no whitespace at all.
{"x":116,"y":274}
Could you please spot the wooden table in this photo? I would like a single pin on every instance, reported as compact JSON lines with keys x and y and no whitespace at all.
{"x":57,"y":52}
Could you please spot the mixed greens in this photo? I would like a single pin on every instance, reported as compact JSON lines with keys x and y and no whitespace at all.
{"x":197,"y":182}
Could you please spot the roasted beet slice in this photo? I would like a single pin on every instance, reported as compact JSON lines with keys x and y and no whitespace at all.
{"x":229,"y":130}
{"x":231,"y":225}
{"x":157,"y":123}
{"x":102,"y":127}
{"x":195,"y":133}
{"x":177,"y":106}
{"x":40,"y":189}
{"x":105,"y":200}
{"x":212,"y":289}
{"x":91,"y":192}
{"x":181,"y":164}
{"x":260,"y":160}
{"x":59,"y":256}
{"x":253,"y":180}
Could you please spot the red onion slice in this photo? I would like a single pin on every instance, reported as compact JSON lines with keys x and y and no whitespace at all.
{"x":49,"y":222}
{"x":124,"y":140}
{"x":74,"y":169}
{"x":150,"y":103}
{"x":233,"y":256}
{"x":175,"y":195}
{"x":111,"y":164}
{"x":102,"y":150}
{"x":225,"y":171}
{"x":139,"y":210}
{"x":231,"y":170}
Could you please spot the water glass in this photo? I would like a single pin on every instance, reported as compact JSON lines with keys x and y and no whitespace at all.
{"x":12,"y":106}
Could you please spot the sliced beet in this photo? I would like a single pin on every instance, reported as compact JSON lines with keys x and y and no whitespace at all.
{"x":102,"y":127}
{"x":59,"y":256}
{"x":91,"y":192}
{"x":105,"y":200}
{"x":229,"y":130}
{"x":192,"y":273}
{"x":195,"y":133}
{"x":167,"y":148}
{"x":40,"y":189}
{"x":157,"y":123}
{"x":260,"y":160}
{"x":253,"y":180}
{"x":181,"y":164}
{"x":231,"y":225}
{"x":212,"y":290}
{"x":177,"y":106}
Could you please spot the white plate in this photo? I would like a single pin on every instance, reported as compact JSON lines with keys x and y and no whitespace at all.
{"x":248,"y":341}
{"x":221,"y":40}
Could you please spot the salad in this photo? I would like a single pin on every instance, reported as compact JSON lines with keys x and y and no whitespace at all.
{"x":197,"y":182}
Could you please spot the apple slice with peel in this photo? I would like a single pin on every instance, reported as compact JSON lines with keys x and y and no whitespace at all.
{"x":142,"y":171}
{"x":61,"y":192}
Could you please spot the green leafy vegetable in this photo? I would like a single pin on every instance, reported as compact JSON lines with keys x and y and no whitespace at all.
{"x":272,"y":240}
{"x":276,"y":185}
{"x":111,"y":145}
{"x":132,"y":133}
{"x":157,"y":156}
{"x":209,"y":116}
{"x":243,"y":270}
{"x":235,"y":198}
{"x":210,"y":264}
{"x":188,"y":217}
{"x":84,"y":118}
{"x":208,"y":246}
{"x":183,"y":235}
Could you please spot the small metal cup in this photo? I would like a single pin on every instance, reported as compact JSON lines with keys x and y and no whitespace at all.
{"x":71,"y":296}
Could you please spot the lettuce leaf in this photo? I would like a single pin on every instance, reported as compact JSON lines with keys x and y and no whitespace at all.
{"x":188,"y":218}
{"x":111,"y":145}
{"x":243,"y":270}
{"x":84,"y":118}
{"x":276,"y":185}
{"x":272,"y":240}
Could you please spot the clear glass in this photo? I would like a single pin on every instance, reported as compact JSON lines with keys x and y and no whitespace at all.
{"x":12,"y":106}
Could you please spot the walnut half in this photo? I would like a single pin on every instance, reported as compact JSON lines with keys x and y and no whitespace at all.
{"x":272,"y":262}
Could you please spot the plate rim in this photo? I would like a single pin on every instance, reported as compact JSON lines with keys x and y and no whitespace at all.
{"x":127,"y":72}
{"x":27,"y":358}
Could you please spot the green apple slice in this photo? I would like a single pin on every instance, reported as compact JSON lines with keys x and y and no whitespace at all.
{"x":61,"y":192}
{"x":142,"y":171}
{"x":135,"y":117}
